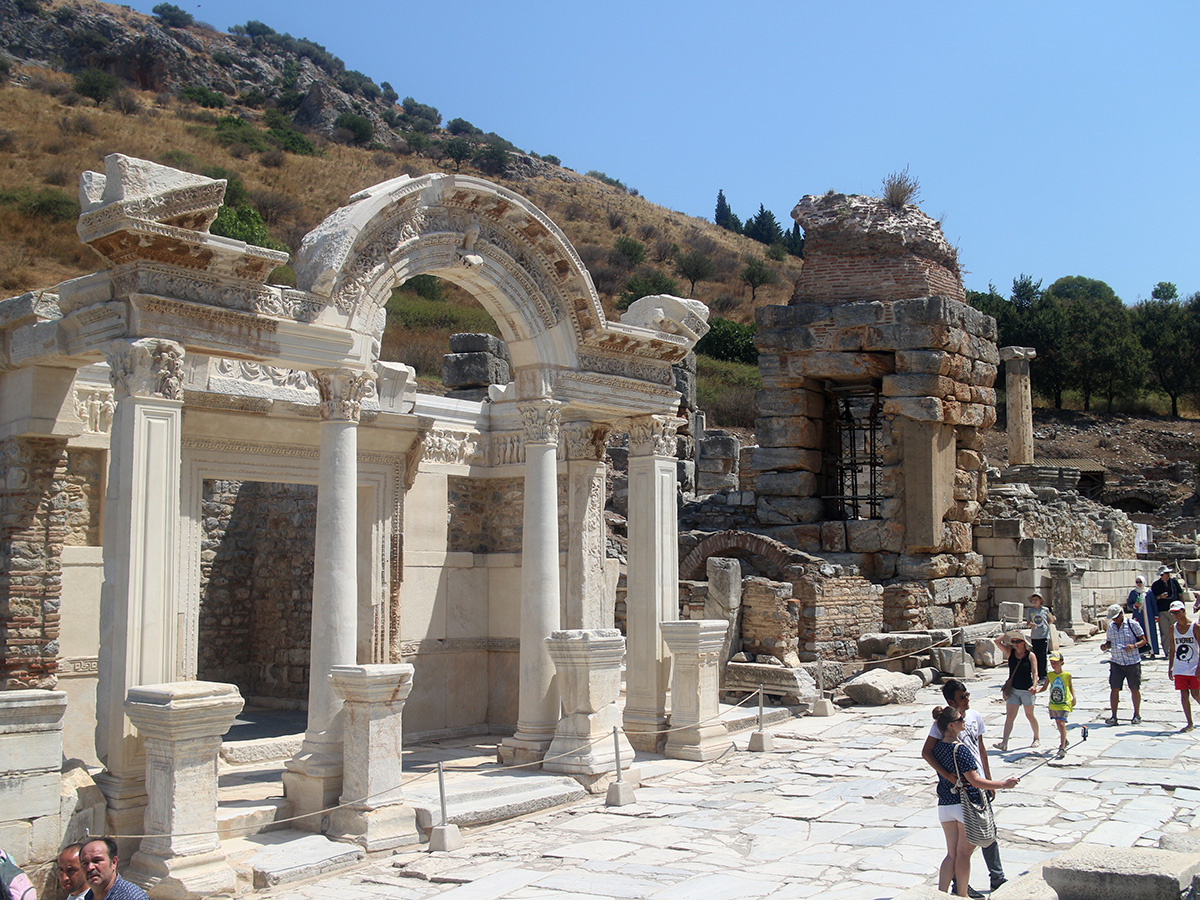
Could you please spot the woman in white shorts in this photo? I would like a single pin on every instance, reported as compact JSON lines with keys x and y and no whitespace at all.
{"x":1023,"y":683}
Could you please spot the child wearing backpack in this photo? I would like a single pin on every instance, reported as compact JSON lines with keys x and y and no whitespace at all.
{"x":1062,"y":699}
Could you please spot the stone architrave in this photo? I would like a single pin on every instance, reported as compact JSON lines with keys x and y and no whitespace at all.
{"x":1066,"y":595}
{"x":138,"y":602}
{"x":696,"y":731}
{"x":588,"y":665}
{"x":538,"y":704}
{"x":313,"y":781}
{"x":1019,"y":397}
{"x":373,"y":812}
{"x":586,"y":603}
{"x":724,"y":601}
{"x":182,"y":724}
{"x":652,"y":580}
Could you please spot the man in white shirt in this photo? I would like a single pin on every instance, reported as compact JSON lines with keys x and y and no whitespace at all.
{"x":959,"y":697}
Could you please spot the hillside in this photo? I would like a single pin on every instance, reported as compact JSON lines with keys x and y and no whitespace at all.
{"x":180,"y":94}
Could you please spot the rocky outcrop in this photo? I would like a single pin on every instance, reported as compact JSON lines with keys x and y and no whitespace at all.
{"x":1069,"y":523}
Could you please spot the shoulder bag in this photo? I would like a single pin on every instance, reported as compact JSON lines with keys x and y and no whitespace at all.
{"x":978,"y":819}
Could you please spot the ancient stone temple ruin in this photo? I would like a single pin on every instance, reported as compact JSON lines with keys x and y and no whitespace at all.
{"x":213,"y":486}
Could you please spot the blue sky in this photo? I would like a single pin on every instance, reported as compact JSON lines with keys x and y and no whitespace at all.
{"x":1052,"y":138}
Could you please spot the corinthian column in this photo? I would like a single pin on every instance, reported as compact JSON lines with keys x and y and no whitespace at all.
{"x":314,"y":777}
{"x":138,"y":602}
{"x":586,"y":603}
{"x":652,"y":580}
{"x":1018,"y":398}
{"x":538,"y":704}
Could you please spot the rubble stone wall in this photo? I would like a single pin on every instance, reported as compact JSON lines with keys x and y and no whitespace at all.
{"x":834,"y":612}
{"x":34,"y":493}
{"x":485,"y":515}
{"x":86,"y":470}
{"x":770,"y":620}
{"x":256,"y":571}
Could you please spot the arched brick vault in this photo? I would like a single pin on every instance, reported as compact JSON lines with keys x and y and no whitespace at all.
{"x":741,"y":543}
{"x":508,"y":255}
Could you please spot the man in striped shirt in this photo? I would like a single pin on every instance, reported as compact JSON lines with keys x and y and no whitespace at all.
{"x":1123,"y":637}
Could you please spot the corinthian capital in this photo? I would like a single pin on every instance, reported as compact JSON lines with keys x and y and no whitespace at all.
{"x":653,"y":435}
{"x":586,"y":440}
{"x":342,"y":392}
{"x":541,"y":421}
{"x":146,"y":368}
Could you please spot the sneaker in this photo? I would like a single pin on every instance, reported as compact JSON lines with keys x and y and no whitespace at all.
{"x":1136,"y":720}
{"x":1062,"y":753}
{"x":1111,"y":720}
{"x":1185,"y":729}
{"x":996,"y":884}
{"x":971,"y":892}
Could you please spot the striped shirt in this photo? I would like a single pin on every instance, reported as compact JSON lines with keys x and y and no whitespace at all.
{"x":1128,"y":632}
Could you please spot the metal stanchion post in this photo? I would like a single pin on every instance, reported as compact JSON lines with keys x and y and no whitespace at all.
{"x":445,"y":836}
{"x":761,"y":741}
{"x":620,"y":792}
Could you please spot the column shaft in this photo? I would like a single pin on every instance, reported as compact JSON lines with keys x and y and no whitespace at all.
{"x":587,"y":603}
{"x":1019,"y":403}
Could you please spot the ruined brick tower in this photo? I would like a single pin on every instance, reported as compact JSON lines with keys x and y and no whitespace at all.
{"x":877,"y":388}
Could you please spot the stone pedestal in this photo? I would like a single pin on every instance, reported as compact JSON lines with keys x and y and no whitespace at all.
{"x":538,"y":705}
{"x":374,"y":814}
{"x":313,"y":781}
{"x":138,"y":600}
{"x":1066,"y":595}
{"x":652,"y":592}
{"x":31,"y":723}
{"x":588,"y":664}
{"x":1019,"y":401}
{"x":696,"y":733}
{"x":182,"y":724}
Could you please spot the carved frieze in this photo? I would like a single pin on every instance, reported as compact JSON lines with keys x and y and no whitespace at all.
{"x":95,"y":407}
{"x":628,"y":366}
{"x":454,"y":448}
{"x":146,"y":368}
{"x":506,"y":448}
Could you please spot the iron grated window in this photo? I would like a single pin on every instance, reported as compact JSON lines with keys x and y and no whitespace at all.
{"x":851,"y":464}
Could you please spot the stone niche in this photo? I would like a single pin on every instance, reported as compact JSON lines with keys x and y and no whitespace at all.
{"x":877,"y":388}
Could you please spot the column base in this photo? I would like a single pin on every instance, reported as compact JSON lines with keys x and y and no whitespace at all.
{"x":645,"y":733}
{"x":576,"y":754}
{"x":699,"y":744}
{"x":313,"y":780}
{"x":125,"y":813}
{"x":518,"y":750}
{"x":381,"y":828}
{"x":183,"y":877}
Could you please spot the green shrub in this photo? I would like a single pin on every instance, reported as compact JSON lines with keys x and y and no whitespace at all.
{"x":730,"y":341}
{"x":243,"y":223}
{"x":235,"y":191}
{"x":360,"y":127}
{"x":631,"y":251}
{"x":492,"y":160}
{"x":417,"y":313}
{"x":180,"y":159}
{"x":172,"y":16}
{"x":49,"y":203}
{"x":96,"y":84}
{"x":202,"y":96}
{"x":645,"y":283}
{"x":236,"y":130}
{"x":725,"y":391}
{"x":428,"y":287}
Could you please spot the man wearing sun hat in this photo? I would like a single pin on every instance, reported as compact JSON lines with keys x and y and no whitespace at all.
{"x":1183,"y":654}
{"x":1165,"y":590}
{"x":1123,"y":637}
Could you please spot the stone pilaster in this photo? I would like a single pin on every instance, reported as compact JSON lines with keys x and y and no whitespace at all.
{"x":538,"y":704}
{"x":1019,"y":402}
{"x":652,"y":581}
{"x":182,"y":724}
{"x":138,"y":602}
{"x":314,"y":778}
{"x":374,"y":813}
{"x":586,"y":604}
{"x":696,"y":732}
{"x":588,"y":664}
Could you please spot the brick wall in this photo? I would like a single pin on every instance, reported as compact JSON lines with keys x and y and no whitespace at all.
{"x":256,"y":575}
{"x":834,"y":612}
{"x":85,"y":491}
{"x":33,"y":529}
{"x":770,"y":620}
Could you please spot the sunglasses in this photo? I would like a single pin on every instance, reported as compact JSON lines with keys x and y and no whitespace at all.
{"x":1018,"y":641}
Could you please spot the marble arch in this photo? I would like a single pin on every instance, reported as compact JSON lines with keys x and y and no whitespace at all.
{"x":193,"y":361}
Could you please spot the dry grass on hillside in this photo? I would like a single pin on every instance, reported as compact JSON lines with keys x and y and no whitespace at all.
{"x":50,"y":143}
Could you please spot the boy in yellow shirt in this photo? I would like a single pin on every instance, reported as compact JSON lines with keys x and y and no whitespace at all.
{"x":1062,"y":699}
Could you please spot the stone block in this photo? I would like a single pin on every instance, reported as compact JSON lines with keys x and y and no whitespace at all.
{"x":1093,"y":872}
{"x":717,"y":443}
{"x":873,"y":644}
{"x":879,"y":687}
{"x":789,"y":431}
{"x":1012,"y":611}
{"x":785,"y":459}
{"x":987,"y":655}
{"x":30,"y":751}
{"x":467,"y":370}
{"x":794,"y":685}
{"x":468,"y":342}
{"x":31,"y":795}
{"x":787,"y":510}
{"x":794,"y":402}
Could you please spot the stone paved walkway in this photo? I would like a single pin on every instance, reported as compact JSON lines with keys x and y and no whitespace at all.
{"x":842,"y":809}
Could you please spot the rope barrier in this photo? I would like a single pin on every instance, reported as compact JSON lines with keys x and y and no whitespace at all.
{"x":405,"y":783}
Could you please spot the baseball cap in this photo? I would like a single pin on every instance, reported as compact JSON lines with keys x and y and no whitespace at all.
{"x":1055,"y":657}
{"x":1178,"y":606}
{"x":1162,"y":569}
{"x":1114,"y":611}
